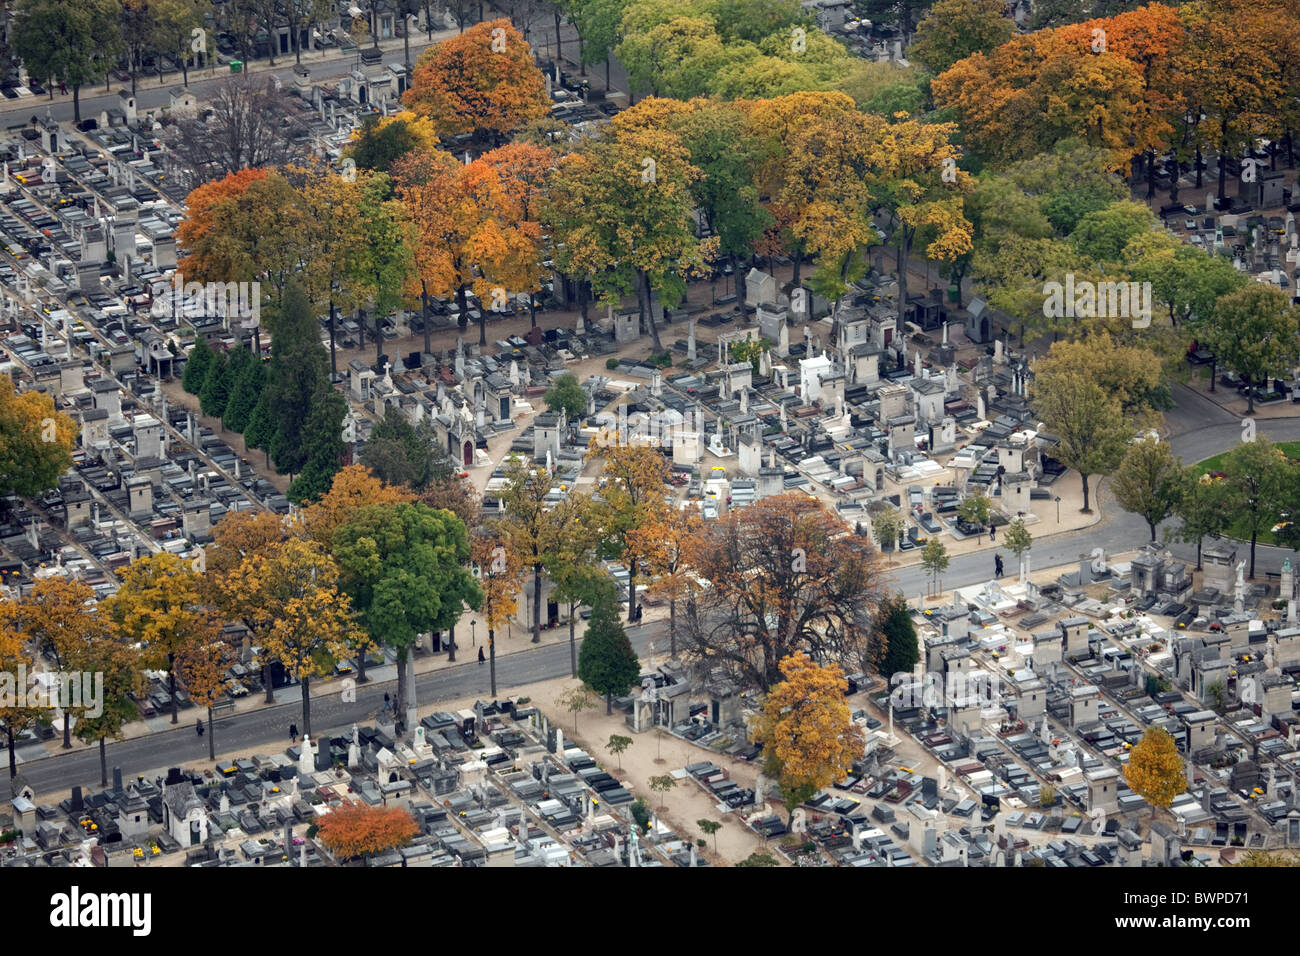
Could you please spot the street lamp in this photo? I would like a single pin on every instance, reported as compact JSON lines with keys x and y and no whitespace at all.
{"x":1058,"y":509}
{"x":472,"y":635}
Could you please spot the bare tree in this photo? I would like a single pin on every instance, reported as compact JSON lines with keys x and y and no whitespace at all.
{"x":247,"y":125}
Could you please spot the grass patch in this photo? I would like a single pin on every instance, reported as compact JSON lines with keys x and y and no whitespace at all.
{"x":1289,"y":448}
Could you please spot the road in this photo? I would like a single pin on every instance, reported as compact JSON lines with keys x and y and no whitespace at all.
{"x":265,"y":727}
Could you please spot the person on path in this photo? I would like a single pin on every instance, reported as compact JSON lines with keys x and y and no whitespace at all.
{"x":997,"y":565}
{"x":481,"y":658}
{"x":293,"y":733}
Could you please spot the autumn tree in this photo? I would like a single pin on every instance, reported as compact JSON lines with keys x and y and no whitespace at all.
{"x":499,"y":574}
{"x":20,"y":647}
{"x":577,"y":578}
{"x":202,"y":666}
{"x":404,"y":566}
{"x":620,"y":214}
{"x":783,"y":575}
{"x":529,"y":525}
{"x":381,"y":140}
{"x":1086,"y":421}
{"x":808,"y":736}
{"x":1147,"y":481}
{"x":631,"y":497}
{"x":663,"y":541}
{"x":36,"y":441}
{"x":356,"y":830}
{"x":294,"y":594}
{"x":483,"y":81}
{"x":607,"y":664}
{"x":159,"y":608}
{"x":112,"y":653}
{"x":1155,"y":770}
{"x":1255,"y":331}
{"x":954,"y":29}
{"x":353,"y":488}
{"x":1130,"y":374}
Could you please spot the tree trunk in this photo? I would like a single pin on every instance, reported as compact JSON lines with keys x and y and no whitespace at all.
{"x":1223,"y":164}
{"x":1173,"y":181}
{"x":361,"y":667}
{"x":1151,"y":173}
{"x":1199,"y":539}
{"x":171,"y":688}
{"x":401,"y":682}
{"x":212,"y":734}
{"x":1198,"y":169}
{"x":537,"y":604}
{"x":559,"y":50}
{"x":424,"y":312}
{"x":266,"y":679}
{"x":609,"y":704}
{"x":643,"y":305}
{"x":306,"y":704}
{"x":1152,"y":526}
{"x":573,"y":640}
{"x":1253,"y":536}
{"x":13,"y":757}
{"x":379,"y":337}
{"x":1214,"y":371}
{"x":334,"y":365}
{"x":462,"y":320}
{"x":492,"y":660}
{"x":451,"y":644}
{"x":76,"y":103}
{"x":631,"y":592}
{"x":672,"y":628}
{"x":532,"y":310}
{"x":1085,"y":509}
{"x":482,"y":325}
{"x":103,"y":762}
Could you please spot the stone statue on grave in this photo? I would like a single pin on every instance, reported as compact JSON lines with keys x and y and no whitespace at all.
{"x":1241,"y":574}
{"x":306,"y":757}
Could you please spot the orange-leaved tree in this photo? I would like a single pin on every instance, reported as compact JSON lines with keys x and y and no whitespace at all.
{"x":355,"y":829}
{"x":499,"y":576}
{"x":664,"y":543}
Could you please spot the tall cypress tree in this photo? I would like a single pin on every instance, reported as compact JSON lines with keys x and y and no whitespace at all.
{"x":606,"y":662}
{"x":196,"y":367}
{"x":247,"y":390}
{"x":216,"y":386}
{"x":298,"y":371}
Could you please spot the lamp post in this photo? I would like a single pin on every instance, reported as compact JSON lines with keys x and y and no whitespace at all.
{"x":1058,"y":509}
{"x":473,"y":638}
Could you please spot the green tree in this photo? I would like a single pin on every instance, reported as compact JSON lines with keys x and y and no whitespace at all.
{"x":72,"y":43}
{"x":661,"y":784}
{"x":323,"y":443}
{"x":197,"y":365}
{"x":977,"y":509}
{"x":568,"y":394}
{"x":1259,"y":485}
{"x":934,"y":558}
{"x":759,"y":859}
{"x":1018,"y":540}
{"x":896,"y":627}
{"x":402,"y":453}
{"x":1201,"y":509}
{"x":245,"y":395}
{"x":954,"y":29}
{"x":237,"y":364}
{"x":617,"y":745}
{"x":710,"y":828}
{"x":405,"y":568}
{"x":1087,"y":422}
{"x":216,"y":386}
{"x":296,"y":375}
{"x":577,"y":699}
{"x":887,"y":525}
{"x":1101,"y":235}
{"x":606,"y":663}
{"x":116,"y":658}
{"x":1148,"y":481}
{"x":1254,"y":332}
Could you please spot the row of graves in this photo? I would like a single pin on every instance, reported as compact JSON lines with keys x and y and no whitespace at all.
{"x":1067,"y":703}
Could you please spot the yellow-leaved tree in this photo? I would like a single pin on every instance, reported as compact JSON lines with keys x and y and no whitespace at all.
{"x":1155,"y":770}
{"x":36,"y":441}
{"x":808,"y":735}
{"x":500,"y":574}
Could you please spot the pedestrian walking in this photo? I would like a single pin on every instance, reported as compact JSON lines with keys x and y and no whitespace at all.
{"x":997,"y":565}
{"x":993,"y":533}
{"x":480,"y":655}
{"x":293,"y":733}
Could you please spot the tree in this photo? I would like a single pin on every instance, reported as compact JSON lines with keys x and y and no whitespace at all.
{"x":576,"y":576}
{"x":1258,"y":485}
{"x":57,"y":620}
{"x":483,"y":81}
{"x":710,"y":828}
{"x":173,"y":24}
{"x":216,"y":386}
{"x":631,"y":497}
{"x":577,"y":699}
{"x":1018,"y":541}
{"x":400,"y":453}
{"x":808,"y":736}
{"x":1086,"y":421}
{"x":1201,"y":509}
{"x":529,"y":526}
{"x":566,"y":393}
{"x":606,"y":663}
{"x":954,"y":29}
{"x":622,"y":222}
{"x":759,"y":859}
{"x":1128,"y":373}
{"x":74,"y":45}
{"x":354,"y":830}
{"x":202,"y":667}
{"x":1155,"y":770}
{"x":15,"y":719}
{"x":294,"y":596}
{"x":663,"y":542}
{"x":977,"y":509}
{"x":404,"y":566}
{"x":353,"y":488}
{"x":616,"y":745}
{"x":661,"y":784}
{"x":113,"y":654}
{"x":783,"y":576}
{"x":245,"y":393}
{"x":1148,"y":481}
{"x":322,"y":443}
{"x":894,"y":620}
{"x":499,"y":576}
{"x":243,"y":126}
{"x":1255,"y":333}
{"x":381,"y":140}
{"x":296,"y":376}
{"x":934,"y":558}
{"x":159,"y":609}
{"x":197,"y":365}
{"x":36,"y":441}
{"x":887,"y":525}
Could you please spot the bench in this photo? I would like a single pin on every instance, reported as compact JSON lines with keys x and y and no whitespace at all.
{"x":223,"y":708}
